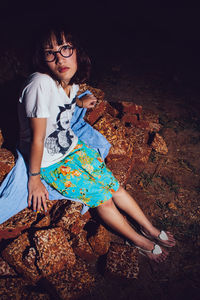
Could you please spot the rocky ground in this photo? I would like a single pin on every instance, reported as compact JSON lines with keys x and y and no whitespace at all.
{"x":168,"y":186}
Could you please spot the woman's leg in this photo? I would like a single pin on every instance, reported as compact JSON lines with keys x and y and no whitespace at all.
{"x":125,"y":202}
{"x":113,"y":218}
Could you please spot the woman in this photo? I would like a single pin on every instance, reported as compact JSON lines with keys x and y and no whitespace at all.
{"x":60,"y":158}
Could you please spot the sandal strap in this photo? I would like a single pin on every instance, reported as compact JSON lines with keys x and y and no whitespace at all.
{"x":157,"y":250}
{"x":163,"y":236}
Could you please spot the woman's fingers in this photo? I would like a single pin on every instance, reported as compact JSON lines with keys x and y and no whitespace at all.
{"x":34,"y":202}
{"x":46,"y":197}
{"x":29,"y":200}
{"x":38,"y":200}
{"x":39,"y":204}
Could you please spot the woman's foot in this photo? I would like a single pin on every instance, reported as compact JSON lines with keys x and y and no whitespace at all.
{"x":150,"y":249}
{"x":164,"y":238}
{"x":157,"y":254}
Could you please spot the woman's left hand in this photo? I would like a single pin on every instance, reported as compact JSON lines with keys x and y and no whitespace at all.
{"x":87,"y":101}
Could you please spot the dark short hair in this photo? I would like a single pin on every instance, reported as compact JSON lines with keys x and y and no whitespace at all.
{"x":83,"y":61}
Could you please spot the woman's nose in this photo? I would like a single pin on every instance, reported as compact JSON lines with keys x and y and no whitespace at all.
{"x":59,"y":57}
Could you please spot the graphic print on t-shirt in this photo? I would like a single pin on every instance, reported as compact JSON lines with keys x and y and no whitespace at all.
{"x":61,"y":139}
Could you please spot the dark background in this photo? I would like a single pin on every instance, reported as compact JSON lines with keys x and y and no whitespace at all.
{"x":112,"y":30}
{"x":121,"y":25}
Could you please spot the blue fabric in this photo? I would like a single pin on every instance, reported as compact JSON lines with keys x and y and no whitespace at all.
{"x":87,"y":133}
{"x":14,"y":188}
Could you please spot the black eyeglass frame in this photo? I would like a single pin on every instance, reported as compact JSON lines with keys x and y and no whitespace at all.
{"x":59,"y":51}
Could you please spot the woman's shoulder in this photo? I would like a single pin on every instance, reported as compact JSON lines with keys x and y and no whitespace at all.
{"x":40,"y":78}
{"x":37,"y":82}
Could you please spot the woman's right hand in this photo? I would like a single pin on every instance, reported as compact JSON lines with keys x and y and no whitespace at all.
{"x":38,"y":194}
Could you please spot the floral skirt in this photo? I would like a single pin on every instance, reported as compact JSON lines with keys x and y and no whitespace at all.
{"x":82,"y":175}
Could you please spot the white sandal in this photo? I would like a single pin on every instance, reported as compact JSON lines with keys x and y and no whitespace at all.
{"x":157,"y":254}
{"x":156,"y":250}
{"x":161,"y":238}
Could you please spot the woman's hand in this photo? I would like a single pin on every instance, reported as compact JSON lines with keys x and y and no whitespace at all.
{"x":38,"y":194}
{"x":87,"y":101}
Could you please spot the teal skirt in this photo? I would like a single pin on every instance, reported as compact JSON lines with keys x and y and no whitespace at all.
{"x":82,"y":175}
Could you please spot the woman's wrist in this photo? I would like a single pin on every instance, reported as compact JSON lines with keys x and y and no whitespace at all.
{"x":79,"y":102}
{"x":34,"y":173}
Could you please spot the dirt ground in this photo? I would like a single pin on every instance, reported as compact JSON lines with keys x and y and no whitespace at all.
{"x":168,"y":186}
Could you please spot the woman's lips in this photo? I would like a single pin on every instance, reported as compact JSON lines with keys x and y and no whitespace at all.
{"x":64,"y":69}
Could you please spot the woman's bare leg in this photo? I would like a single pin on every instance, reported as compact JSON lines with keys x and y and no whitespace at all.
{"x":113,"y":218}
{"x":125,"y":202}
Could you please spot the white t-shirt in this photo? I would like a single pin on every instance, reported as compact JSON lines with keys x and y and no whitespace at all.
{"x":43,"y":98}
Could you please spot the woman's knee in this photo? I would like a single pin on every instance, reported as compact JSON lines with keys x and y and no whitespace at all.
{"x":106,"y":205}
{"x":119,"y":191}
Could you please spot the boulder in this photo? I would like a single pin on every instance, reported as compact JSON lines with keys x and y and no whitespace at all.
{"x":7,"y":162}
{"x":100,"y":241}
{"x":71,"y":283}
{"x":15,"y":254}
{"x":159,"y":144}
{"x":54,"y":252}
{"x":122,"y":262}
{"x":82,"y":248}
{"x":6,"y":269}
{"x":1,"y":139}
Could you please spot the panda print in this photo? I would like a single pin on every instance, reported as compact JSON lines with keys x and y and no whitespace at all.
{"x":61,"y":139}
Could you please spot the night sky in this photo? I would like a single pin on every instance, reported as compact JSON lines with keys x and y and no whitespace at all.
{"x":109,"y":20}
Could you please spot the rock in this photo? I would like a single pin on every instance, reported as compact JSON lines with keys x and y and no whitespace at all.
{"x":14,"y":254}
{"x":148,"y":115}
{"x":141,"y":154}
{"x":53,"y":251}
{"x":172,"y":206}
{"x":44,"y":221}
{"x":68,"y":217}
{"x":24,"y":220}
{"x":99,"y":94}
{"x":7,"y":162}
{"x":73,"y":283}
{"x":129,"y":107}
{"x":1,"y":139}
{"x":115,"y":132}
{"x":11,"y":233}
{"x":122,"y":261}
{"x":82,"y":248}
{"x":159,"y":144}
{"x":147,"y":125}
{"x":130,"y":119}
{"x":29,"y":258}
{"x":93,"y":114}
{"x":121,"y":167}
{"x":12,"y":288}
{"x":100,"y":242}
{"x":137,"y":136}
{"x":5,"y":269}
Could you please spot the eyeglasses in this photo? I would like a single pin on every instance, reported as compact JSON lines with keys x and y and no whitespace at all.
{"x":65,"y":51}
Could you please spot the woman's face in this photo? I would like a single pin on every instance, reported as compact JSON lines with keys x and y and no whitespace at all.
{"x":63,"y":68}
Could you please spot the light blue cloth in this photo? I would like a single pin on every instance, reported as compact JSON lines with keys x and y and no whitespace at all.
{"x":14,"y":188}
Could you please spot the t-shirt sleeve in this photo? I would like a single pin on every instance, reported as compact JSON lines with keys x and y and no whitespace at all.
{"x":36,"y":97}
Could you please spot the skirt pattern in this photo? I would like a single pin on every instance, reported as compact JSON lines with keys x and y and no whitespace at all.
{"x":82,"y":175}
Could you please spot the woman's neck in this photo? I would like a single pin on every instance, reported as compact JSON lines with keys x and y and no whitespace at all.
{"x":66,"y":88}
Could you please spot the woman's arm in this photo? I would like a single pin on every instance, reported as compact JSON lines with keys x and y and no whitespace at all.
{"x":37,"y":191}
